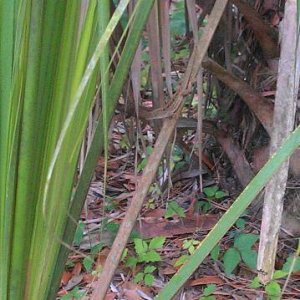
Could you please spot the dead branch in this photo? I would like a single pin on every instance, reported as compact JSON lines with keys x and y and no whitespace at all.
{"x":261,"y":107}
{"x":266,"y":35}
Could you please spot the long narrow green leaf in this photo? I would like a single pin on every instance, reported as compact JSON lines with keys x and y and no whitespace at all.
{"x":26,"y":196}
{"x":6,"y":70}
{"x":230,"y":217}
{"x":71,"y":63}
{"x":142,"y":11}
{"x":81,"y":88}
{"x":103,"y":13}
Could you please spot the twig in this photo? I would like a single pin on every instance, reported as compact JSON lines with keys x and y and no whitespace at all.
{"x":150,"y":170}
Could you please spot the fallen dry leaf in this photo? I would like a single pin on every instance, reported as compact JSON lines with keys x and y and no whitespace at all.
{"x":169,"y":270}
{"x":110,"y":296}
{"x":206,"y":280}
{"x":131,"y":290}
{"x":88,"y":278}
{"x":102,"y":257}
{"x":66,"y":277}
{"x":75,"y":280}
{"x":168,"y":228}
{"x":77,"y":268}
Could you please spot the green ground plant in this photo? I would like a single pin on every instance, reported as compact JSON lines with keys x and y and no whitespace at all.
{"x":241,"y":251}
{"x":145,"y":253}
{"x":208,"y":292}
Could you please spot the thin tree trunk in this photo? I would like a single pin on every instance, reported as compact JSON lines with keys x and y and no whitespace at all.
{"x":283,"y":122}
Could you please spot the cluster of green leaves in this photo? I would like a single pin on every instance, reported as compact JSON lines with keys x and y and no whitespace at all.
{"x":190,"y":246}
{"x":112,"y":228}
{"x":74,"y":294}
{"x":182,"y":53}
{"x":273,"y":288}
{"x":241,"y":251}
{"x":155,"y":192}
{"x":211,"y":193}
{"x":208,"y":292}
{"x":173,"y":209}
{"x":145,"y":252}
{"x":143,"y":162}
{"x":124,"y":142}
{"x":178,"y":159}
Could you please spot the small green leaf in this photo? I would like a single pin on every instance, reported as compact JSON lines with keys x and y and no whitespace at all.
{"x":149,"y":279}
{"x":209,"y":289}
{"x":288,"y":264}
{"x":131,"y":262}
{"x":179,"y":165}
{"x":176,"y":158}
{"x":215,"y":252}
{"x":240,"y":223}
{"x":76,"y":293}
{"x":205,"y":206}
{"x":78,"y":234}
{"x":149,"y":150}
{"x":124,"y":142}
{"x":138,"y":277}
{"x":187,"y":244}
{"x":255,"y":283}
{"x":157,"y":242}
{"x":180,"y":54}
{"x":245,"y":241}
{"x":181,"y":260}
{"x":191,"y":249}
{"x":140,"y":246}
{"x":211,"y":297}
{"x":220,"y":194}
{"x":210,"y":191}
{"x":134,"y":235}
{"x":278,"y":274}
{"x":111,"y":227}
{"x":97,"y":248}
{"x":149,"y":269}
{"x":142,"y":164}
{"x":273,"y":290}
{"x":144,"y":161}
{"x":250,"y":258}
{"x":88,"y":263}
{"x":151,"y":256}
{"x":231,"y":260}
{"x":174,"y":209}
{"x":67,"y":296}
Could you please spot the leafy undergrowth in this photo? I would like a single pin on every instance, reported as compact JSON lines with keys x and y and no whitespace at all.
{"x":171,"y":226}
{"x":176,"y":215}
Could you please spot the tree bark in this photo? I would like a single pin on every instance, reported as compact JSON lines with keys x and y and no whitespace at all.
{"x":283,"y":122}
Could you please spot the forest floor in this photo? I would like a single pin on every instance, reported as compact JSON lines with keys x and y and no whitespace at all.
{"x":182,"y":206}
{"x":175,"y":218}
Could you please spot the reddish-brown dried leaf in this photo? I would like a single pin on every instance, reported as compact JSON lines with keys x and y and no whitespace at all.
{"x":168,"y":228}
{"x":77,"y":268}
{"x":66,"y":277}
{"x":206,"y":280}
{"x":110,"y":296}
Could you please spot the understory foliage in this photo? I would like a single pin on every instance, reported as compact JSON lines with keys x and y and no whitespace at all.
{"x":64,"y":66}
{"x":49,"y":57}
